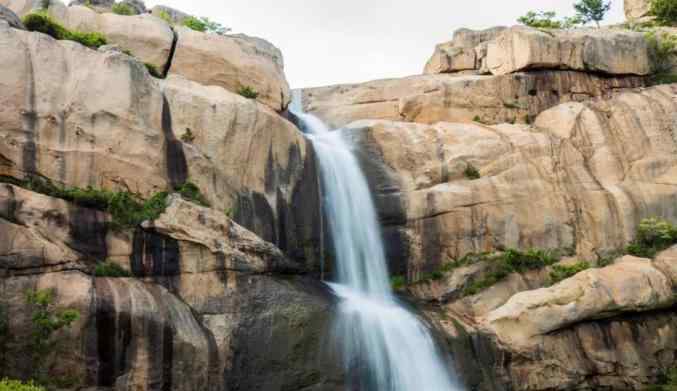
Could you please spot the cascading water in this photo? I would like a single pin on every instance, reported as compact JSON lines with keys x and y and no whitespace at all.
{"x":391,"y":349}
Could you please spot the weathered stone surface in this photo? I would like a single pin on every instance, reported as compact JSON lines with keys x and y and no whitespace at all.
{"x":630,"y":285}
{"x":111,"y":126}
{"x":636,"y":9}
{"x":232,"y":62}
{"x":22,"y":7}
{"x":455,"y":98}
{"x":10,"y":17}
{"x":461,"y":53}
{"x":97,"y":5}
{"x":177,"y":17}
{"x":609,"y":51}
{"x":148,"y":38}
{"x":582,"y":178}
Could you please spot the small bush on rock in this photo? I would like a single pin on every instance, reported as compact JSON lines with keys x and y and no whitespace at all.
{"x":471,"y":172}
{"x":653,"y":235}
{"x":205,"y":25}
{"x":41,"y":22}
{"x":665,"y":11}
{"x":111,"y":270}
{"x":123,"y":9}
{"x":16,"y":385}
{"x":398,"y":282}
{"x":562,"y":272}
{"x":248,"y":92}
{"x":663,"y":50}
{"x":546,"y":20}
{"x":152,"y":69}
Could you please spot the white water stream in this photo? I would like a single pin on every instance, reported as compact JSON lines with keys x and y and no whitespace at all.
{"x":388,"y":347}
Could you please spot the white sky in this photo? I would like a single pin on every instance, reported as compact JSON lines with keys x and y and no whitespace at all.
{"x":340,"y":41}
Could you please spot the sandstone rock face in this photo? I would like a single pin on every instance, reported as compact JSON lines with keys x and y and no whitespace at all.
{"x":97,"y":5}
{"x":631,"y":285}
{"x":197,"y":312}
{"x":232,"y":62}
{"x":10,"y":17}
{"x":613,"y":52}
{"x":22,"y":7}
{"x":148,"y":38}
{"x":454,"y":98}
{"x":581,"y":178}
{"x":636,"y":9}
{"x":111,"y":126}
{"x":461,"y":53}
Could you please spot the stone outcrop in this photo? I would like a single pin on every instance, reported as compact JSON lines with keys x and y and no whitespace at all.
{"x":97,"y":5}
{"x":112,"y":126}
{"x":10,"y":17}
{"x":177,"y":17}
{"x":22,"y":7}
{"x":146,"y":37}
{"x":636,"y":9}
{"x":233,"y":62}
{"x":459,"y":98}
{"x":464,"y":53}
{"x":582,"y":177}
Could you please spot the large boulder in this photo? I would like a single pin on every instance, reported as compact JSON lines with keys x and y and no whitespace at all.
{"x":23,"y":7}
{"x":463,"y":53}
{"x":568,"y":182}
{"x":608,"y":51}
{"x":10,"y":17}
{"x":234,"y":62}
{"x":636,"y":9}
{"x":175,"y":16}
{"x":146,"y":37}
{"x":112,"y":126}
{"x":452,"y":98}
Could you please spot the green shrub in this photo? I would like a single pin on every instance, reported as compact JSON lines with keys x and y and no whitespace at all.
{"x":663,"y":50}
{"x":562,"y":272}
{"x":41,"y":22}
{"x":188,"y":137}
{"x":471,"y":172}
{"x":45,"y":321}
{"x":248,"y":92}
{"x":398,"y":282}
{"x":665,"y":11}
{"x":152,"y":69}
{"x":540,"y":19}
{"x":190,"y":192}
{"x":667,"y":382}
{"x":111,"y":269}
{"x":205,"y":25}
{"x":16,"y":385}
{"x":653,"y":235}
{"x":164,"y":15}
{"x":123,"y":9}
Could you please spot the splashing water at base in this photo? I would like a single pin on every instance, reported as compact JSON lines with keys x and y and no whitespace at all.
{"x":388,"y":347}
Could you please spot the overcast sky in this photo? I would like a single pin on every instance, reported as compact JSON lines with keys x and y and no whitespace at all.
{"x":341,"y":41}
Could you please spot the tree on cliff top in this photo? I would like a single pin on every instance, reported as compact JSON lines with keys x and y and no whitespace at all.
{"x":592,"y":10}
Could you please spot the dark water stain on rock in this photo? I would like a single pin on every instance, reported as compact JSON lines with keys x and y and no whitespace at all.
{"x":30,"y":120}
{"x":113,"y":332}
{"x":160,"y":339}
{"x":88,"y":231}
{"x":175,"y":158}
{"x":154,"y":255}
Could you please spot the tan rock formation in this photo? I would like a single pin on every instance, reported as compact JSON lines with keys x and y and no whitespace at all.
{"x":636,"y":9}
{"x":458,"y":98}
{"x":581,"y":178}
{"x":112,"y":126}
{"x":613,"y":52}
{"x":463,"y":53}
{"x":232,"y":62}
{"x":7,"y":15}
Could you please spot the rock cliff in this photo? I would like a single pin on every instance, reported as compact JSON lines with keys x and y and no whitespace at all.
{"x":183,"y":221}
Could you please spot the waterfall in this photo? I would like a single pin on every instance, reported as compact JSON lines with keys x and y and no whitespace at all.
{"x":385,"y":345}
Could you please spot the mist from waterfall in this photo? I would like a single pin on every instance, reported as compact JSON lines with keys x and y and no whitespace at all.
{"x":385,"y":345}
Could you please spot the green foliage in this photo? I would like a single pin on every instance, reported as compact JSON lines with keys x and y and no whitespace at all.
{"x":471,"y":172}
{"x":111,"y":269}
{"x":123,"y":9}
{"x":663,"y":50}
{"x":510,"y":261}
{"x":592,"y":10}
{"x":248,"y":92}
{"x":653,"y":235}
{"x":190,"y":192}
{"x":46,"y":320}
{"x":188,"y":137}
{"x":540,"y":19}
{"x":398,"y":282}
{"x":152,"y":69}
{"x":665,"y":11}
{"x":668,"y":382}
{"x":41,"y":22}
{"x":205,"y":25}
{"x":164,"y":15}
{"x":663,"y":79}
{"x":546,"y":20}
{"x":15,"y":385}
{"x":562,"y":272}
